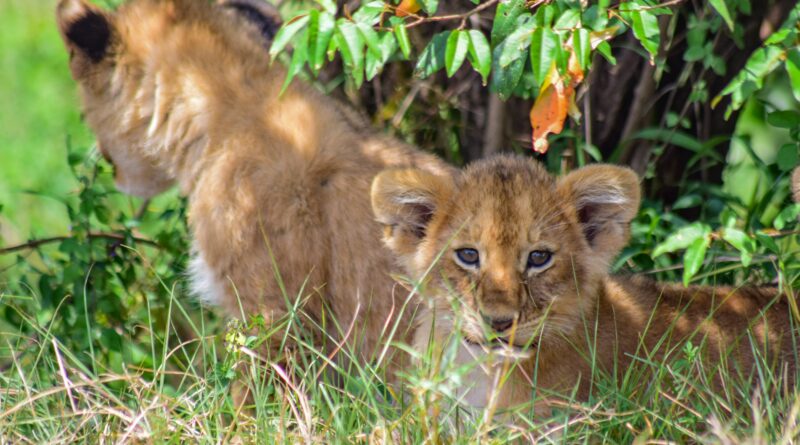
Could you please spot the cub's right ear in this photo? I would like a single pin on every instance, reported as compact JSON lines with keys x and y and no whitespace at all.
{"x":263,"y":15}
{"x":405,"y":201}
{"x":86,"y":31}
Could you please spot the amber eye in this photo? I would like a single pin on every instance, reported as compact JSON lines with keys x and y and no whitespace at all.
{"x":468,"y":257}
{"x":539,"y":258}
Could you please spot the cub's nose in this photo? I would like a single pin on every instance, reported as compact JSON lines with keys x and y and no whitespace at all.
{"x":499,"y":324}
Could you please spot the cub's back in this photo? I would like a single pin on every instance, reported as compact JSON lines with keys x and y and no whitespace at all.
{"x":720,"y":318}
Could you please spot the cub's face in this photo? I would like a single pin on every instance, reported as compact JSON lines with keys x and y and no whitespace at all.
{"x":517,"y":252}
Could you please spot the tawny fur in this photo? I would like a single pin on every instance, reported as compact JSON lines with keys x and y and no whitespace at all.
{"x":186,"y":94}
{"x":570,"y":317}
{"x":796,"y":184}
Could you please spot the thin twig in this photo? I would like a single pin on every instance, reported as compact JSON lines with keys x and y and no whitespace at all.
{"x":39,"y":242}
{"x":443,"y":18}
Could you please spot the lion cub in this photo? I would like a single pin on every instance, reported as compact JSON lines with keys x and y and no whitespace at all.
{"x":516,"y":262}
{"x":182,"y":91}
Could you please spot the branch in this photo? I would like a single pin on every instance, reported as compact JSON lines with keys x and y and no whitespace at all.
{"x":33,"y":244}
{"x":419,"y":20}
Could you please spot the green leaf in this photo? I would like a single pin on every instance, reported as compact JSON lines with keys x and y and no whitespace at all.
{"x":401,"y":33}
{"x":432,"y":58}
{"x":480,"y":53}
{"x":333,"y":45}
{"x":456,"y":52}
{"x":693,"y":259}
{"x":545,"y":14}
{"x":687,"y":201}
{"x":369,"y":13}
{"x":328,"y":6}
{"x":751,"y":78}
{"x":351,"y":46}
{"x":595,"y":18}
{"x":786,"y":216}
{"x":767,"y":241}
{"x":673,"y":137}
{"x":299,"y":58}
{"x":793,"y":69}
{"x":543,"y":48}
{"x":568,"y":20}
{"x":605,"y":50}
{"x":722,"y":10}
{"x":320,"y":29}
{"x":505,"y":19}
{"x":370,"y":38}
{"x":374,"y":64}
{"x":285,"y":34}
{"x":517,"y":43}
{"x":682,"y":238}
{"x":742,"y":242}
{"x":429,"y":6}
{"x":644,"y":25}
{"x":504,"y":80}
{"x":583,"y":46}
{"x":784,"y":119}
{"x":787,"y":158}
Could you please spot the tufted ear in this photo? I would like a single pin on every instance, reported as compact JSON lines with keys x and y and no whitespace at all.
{"x":796,"y":185}
{"x":258,"y":12}
{"x":606,"y":199}
{"x":86,"y":31}
{"x":404,"y":201}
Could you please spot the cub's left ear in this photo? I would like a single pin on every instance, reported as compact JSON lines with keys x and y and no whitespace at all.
{"x":405,"y":201}
{"x":606,"y":199}
{"x":85,"y":29}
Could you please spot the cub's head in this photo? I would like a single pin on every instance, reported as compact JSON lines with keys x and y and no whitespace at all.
{"x":518,"y":252}
{"x":135,"y":67}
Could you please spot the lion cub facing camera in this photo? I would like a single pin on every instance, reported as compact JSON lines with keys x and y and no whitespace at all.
{"x":515,"y":263}
{"x":182,"y":91}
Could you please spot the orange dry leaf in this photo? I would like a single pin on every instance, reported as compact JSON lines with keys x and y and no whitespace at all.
{"x":554,"y":102}
{"x":407,"y":7}
{"x":548,"y":114}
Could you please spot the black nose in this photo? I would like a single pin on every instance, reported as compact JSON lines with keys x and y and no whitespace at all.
{"x":499,"y":324}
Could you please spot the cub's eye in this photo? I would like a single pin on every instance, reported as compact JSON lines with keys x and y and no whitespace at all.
{"x":468,"y":257}
{"x":539,"y":258}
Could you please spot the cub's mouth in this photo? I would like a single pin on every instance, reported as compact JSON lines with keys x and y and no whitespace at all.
{"x":500,"y":344}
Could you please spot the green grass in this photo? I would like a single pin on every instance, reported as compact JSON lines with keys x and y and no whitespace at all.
{"x":180,"y":390}
{"x":38,"y":117}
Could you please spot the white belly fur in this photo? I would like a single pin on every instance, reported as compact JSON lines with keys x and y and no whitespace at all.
{"x":203,"y":282}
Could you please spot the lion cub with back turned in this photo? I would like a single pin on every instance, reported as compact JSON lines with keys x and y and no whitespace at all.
{"x":182,"y":91}
{"x":516,"y":262}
